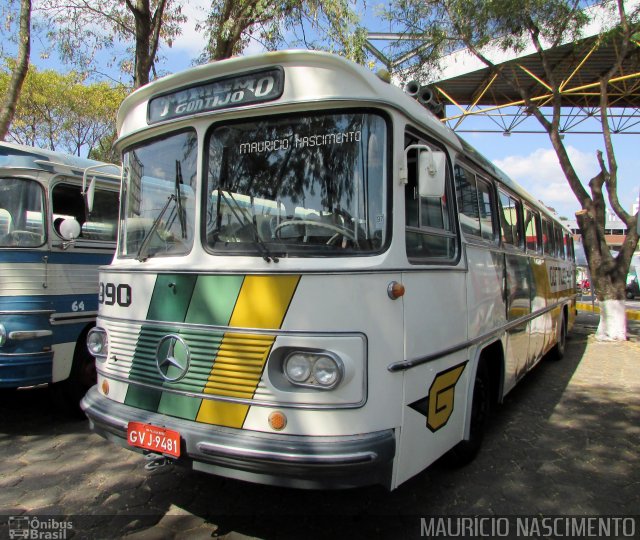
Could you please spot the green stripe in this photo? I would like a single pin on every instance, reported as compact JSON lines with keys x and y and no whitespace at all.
{"x":143,"y":369}
{"x":179,"y":406}
{"x":213,"y":300}
{"x":171,"y":297}
{"x":169,"y":302}
{"x":181,"y":298}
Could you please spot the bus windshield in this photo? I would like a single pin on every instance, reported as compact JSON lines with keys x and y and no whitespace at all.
{"x":158,"y":197}
{"x":21,"y":213}
{"x":297,"y":185}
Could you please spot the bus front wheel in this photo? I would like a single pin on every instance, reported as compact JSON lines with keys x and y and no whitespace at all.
{"x":465,"y":451}
{"x":82,"y":377}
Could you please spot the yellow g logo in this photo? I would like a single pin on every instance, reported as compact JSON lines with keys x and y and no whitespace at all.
{"x":438,"y":405}
{"x":441,"y":397}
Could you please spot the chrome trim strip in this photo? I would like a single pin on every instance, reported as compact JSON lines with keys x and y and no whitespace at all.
{"x":234,"y":329}
{"x":214,"y":449}
{"x":212,"y":397}
{"x":33,"y":312}
{"x":407,"y":364}
{"x":21,"y":335}
{"x":28,"y":354}
{"x":416,"y":267}
{"x":86,"y":316}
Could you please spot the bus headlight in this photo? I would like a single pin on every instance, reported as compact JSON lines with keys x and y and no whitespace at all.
{"x":3,"y":335}
{"x":97,"y":343}
{"x":312,"y":369}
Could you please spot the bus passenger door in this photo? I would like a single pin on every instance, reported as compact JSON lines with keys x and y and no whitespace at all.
{"x":73,"y":265}
{"x":518,"y":306}
{"x":435,"y":323}
{"x":517,"y":286}
{"x":539,"y":294}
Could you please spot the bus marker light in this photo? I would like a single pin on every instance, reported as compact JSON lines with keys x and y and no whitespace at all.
{"x":105,"y":387}
{"x":395,"y":290}
{"x":277,"y":420}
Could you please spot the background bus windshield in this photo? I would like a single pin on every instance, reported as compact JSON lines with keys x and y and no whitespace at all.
{"x":311,"y":185}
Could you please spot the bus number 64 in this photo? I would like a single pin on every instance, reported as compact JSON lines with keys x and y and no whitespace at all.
{"x":111,"y":294}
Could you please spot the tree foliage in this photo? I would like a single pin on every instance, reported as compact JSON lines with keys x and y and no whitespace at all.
{"x":484,"y":26}
{"x":60,"y":112}
{"x":331,"y":25}
{"x":83,"y":28}
{"x":19,"y":66}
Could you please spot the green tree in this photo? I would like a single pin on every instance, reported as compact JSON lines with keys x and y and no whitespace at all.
{"x":446,"y":25}
{"x":61,"y":112}
{"x":328,"y":25}
{"x":19,"y":66}
{"x":83,"y":28}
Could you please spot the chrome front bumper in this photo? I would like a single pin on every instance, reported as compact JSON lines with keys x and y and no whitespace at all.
{"x":265,"y":458}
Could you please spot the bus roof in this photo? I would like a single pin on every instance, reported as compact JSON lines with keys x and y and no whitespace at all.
{"x":18,"y":156}
{"x":310,"y":76}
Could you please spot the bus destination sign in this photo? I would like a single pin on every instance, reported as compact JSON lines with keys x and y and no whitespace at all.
{"x":256,"y":87}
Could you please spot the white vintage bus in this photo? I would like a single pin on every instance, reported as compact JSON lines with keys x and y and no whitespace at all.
{"x":316,"y":284}
{"x":51,"y":246}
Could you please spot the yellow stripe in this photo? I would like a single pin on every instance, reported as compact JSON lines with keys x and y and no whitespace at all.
{"x":262,"y":303}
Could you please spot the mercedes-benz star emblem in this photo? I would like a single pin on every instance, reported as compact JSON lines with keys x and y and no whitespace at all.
{"x":172,"y":358}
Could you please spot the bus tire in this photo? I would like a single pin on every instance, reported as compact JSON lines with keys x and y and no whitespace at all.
{"x":465,"y":451}
{"x":82,"y":377}
{"x":557,"y":353}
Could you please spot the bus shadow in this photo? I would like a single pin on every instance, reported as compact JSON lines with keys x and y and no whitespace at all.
{"x":552,"y":448}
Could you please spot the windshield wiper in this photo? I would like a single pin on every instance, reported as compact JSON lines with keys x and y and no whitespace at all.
{"x":154,"y":226}
{"x":181,"y":214}
{"x":266,"y":254}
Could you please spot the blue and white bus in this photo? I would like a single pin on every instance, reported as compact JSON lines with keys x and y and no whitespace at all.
{"x":51,"y":245}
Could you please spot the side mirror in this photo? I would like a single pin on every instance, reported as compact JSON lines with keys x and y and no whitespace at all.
{"x":70,"y":229}
{"x":432,"y":170}
{"x":90,"y":194}
{"x":89,"y":191}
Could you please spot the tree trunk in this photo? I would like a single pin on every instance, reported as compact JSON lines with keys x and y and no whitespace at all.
{"x":19,"y":71}
{"x":608,"y":276}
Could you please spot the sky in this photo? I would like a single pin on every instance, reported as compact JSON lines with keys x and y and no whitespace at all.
{"x":527,"y":158}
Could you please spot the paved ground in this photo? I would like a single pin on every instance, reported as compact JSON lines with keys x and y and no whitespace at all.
{"x":567,"y":441}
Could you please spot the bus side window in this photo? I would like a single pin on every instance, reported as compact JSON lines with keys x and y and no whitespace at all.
{"x":548,"y":238}
{"x":429,"y":221}
{"x":467,"y":193}
{"x":67,"y":202}
{"x":560,"y":252}
{"x":475,"y":204}
{"x":568,"y":244}
{"x":486,"y":200}
{"x":510,"y":220}
{"x":531,"y":227}
{"x":102,"y":224}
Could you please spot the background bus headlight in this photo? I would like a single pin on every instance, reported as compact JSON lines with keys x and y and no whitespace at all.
{"x":316,"y":370}
{"x":3,"y":335}
{"x":97,"y":343}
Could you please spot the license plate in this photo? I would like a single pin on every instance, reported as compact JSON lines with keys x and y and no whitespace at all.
{"x":156,"y":439}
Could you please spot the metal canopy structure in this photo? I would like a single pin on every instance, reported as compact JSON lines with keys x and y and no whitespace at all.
{"x":470,"y":89}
